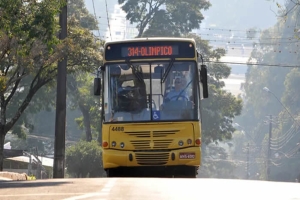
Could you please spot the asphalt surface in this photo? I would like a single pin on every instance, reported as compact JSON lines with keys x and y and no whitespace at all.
{"x":147,"y":189}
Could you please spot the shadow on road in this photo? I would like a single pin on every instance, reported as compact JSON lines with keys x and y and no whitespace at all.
{"x":29,"y":184}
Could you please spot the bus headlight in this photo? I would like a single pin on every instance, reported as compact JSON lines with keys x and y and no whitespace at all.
{"x":189,"y":141}
{"x":180,"y":143}
{"x":122,"y":145}
{"x":113,"y":144}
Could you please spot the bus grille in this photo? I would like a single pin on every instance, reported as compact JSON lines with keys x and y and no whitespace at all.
{"x":144,"y":134}
{"x":164,"y":133}
{"x":152,"y":158}
{"x":151,"y":139}
{"x":148,"y":144}
{"x":141,"y":144}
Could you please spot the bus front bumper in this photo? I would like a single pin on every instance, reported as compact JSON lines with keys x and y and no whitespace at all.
{"x":118,"y":158}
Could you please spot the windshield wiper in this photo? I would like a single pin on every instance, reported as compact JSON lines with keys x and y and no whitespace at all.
{"x":167,"y":71}
{"x":137,"y":75}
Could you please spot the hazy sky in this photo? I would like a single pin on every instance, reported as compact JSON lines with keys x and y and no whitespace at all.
{"x":242,"y":14}
{"x":227,"y":14}
{"x":259,"y":13}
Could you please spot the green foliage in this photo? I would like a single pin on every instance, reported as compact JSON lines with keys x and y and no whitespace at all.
{"x":291,"y":97}
{"x":215,"y":163}
{"x":28,"y":36}
{"x":221,"y":107}
{"x":31,"y":20}
{"x":161,"y":26}
{"x":84,"y":159}
{"x":85,"y":55}
{"x":177,"y":17}
{"x":78,"y":11}
{"x":82,"y":98}
{"x":19,"y":143}
{"x":283,"y":83}
{"x":82,"y":56}
{"x":29,"y":51}
{"x":218,"y":115}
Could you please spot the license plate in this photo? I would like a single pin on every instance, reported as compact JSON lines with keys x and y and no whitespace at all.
{"x":187,"y":155}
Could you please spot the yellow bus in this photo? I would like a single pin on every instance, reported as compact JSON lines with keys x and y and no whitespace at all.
{"x":151,"y":91}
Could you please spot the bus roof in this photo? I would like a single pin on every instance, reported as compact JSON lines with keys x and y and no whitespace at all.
{"x":152,"y":39}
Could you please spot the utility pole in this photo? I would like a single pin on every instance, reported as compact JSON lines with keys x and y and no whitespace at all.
{"x":60,"y":119}
{"x":248,"y":160}
{"x":269,"y":149}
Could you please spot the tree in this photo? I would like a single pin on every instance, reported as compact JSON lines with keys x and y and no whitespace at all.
{"x":221,"y":107}
{"x":84,"y":159}
{"x":78,"y":83}
{"x":28,"y":55}
{"x":83,"y":99}
{"x":80,"y":21}
{"x":216,"y":163}
{"x":291,"y":98}
{"x":282,"y":82}
{"x":218,"y":113}
{"x":180,"y":16}
{"x":29,"y":48}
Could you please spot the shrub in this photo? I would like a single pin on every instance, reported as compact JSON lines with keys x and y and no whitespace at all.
{"x":84,"y":159}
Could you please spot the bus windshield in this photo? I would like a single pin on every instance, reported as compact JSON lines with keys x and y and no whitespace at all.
{"x":151,"y":91}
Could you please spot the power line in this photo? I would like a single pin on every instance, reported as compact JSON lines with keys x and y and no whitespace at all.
{"x":245,"y":38}
{"x":108,"y":20}
{"x":290,"y":38}
{"x":280,"y":142}
{"x":96,"y":18}
{"x":213,"y":34}
{"x":258,"y":64}
{"x":239,"y":30}
{"x":248,"y":42}
{"x":204,"y":34}
{"x":235,"y":41}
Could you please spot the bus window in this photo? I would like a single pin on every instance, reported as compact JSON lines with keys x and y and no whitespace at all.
{"x":136,"y":93}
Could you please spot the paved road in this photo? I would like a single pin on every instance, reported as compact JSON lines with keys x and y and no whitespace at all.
{"x":148,"y":189}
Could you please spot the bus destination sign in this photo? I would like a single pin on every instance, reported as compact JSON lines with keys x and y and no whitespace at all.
{"x":144,"y":51}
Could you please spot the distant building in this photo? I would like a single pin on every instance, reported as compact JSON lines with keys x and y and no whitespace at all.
{"x":40,"y":168}
{"x":119,"y":28}
{"x":235,"y":84}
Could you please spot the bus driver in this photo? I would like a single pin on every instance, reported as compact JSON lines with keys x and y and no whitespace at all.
{"x":177,"y":93}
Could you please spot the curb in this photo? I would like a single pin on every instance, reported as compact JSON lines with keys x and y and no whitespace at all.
{"x":13,"y":176}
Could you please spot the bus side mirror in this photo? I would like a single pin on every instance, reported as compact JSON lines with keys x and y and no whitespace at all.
{"x":97,"y":86}
{"x":203,"y":79}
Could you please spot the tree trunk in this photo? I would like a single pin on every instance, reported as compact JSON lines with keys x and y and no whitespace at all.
{"x":2,"y":129}
{"x":2,"y":137}
{"x":86,"y":121}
